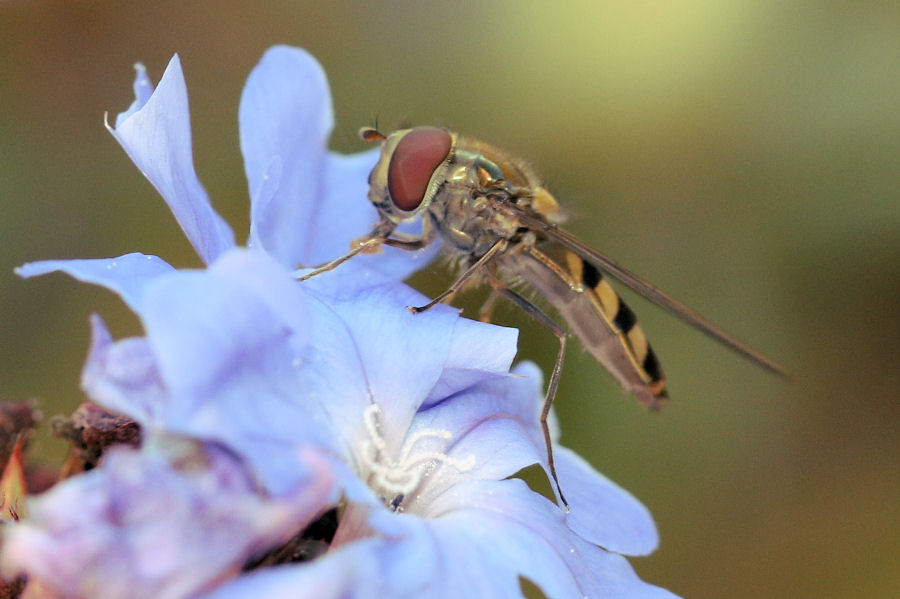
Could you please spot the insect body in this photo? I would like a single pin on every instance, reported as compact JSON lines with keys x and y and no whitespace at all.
{"x":501,"y":226}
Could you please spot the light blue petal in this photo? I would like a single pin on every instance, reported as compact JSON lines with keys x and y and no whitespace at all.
{"x":509,"y":412}
{"x":487,"y":535}
{"x":601,"y":511}
{"x":477,"y":349}
{"x":123,"y":377}
{"x":138,"y":527}
{"x":377,"y":568}
{"x":403,"y":358}
{"x":244,"y":354}
{"x":402,"y":354}
{"x":433,"y":564}
{"x":307,"y":204}
{"x":262,"y":198}
{"x":342,"y":212}
{"x":157,"y":138}
{"x":285,"y":115}
{"x":349,"y":280}
{"x":126,"y":275}
{"x":252,"y":358}
{"x":505,"y":529}
{"x":490,"y":438}
{"x":501,"y":428}
{"x":268,"y":282}
{"x":235,"y":369}
{"x":485,"y":346}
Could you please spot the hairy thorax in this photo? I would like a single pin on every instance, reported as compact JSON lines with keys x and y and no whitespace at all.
{"x":470,"y":210}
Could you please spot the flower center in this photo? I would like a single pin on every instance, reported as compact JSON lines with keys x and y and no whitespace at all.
{"x":394,"y":479}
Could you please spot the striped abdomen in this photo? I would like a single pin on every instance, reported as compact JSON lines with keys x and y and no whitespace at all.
{"x":595,"y":313}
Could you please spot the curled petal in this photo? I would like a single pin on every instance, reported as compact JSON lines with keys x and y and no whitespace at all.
{"x":478,"y":349}
{"x":156,"y":133}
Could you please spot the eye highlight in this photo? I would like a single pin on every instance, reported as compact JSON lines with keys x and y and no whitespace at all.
{"x":413,"y":163}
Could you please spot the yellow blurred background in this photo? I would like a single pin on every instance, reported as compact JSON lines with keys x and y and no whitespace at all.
{"x":742,"y":155}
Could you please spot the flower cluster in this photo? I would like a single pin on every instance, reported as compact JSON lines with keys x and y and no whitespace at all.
{"x":264,"y":403}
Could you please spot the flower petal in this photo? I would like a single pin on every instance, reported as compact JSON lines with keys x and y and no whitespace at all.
{"x":285,"y":114}
{"x":123,"y":377}
{"x":126,"y":275}
{"x":307,"y":204}
{"x":233,"y":367}
{"x":477,"y":350}
{"x":137,"y":526}
{"x":402,"y":354}
{"x":601,"y":511}
{"x":243,"y":354}
{"x":156,"y":133}
{"x":536,"y":543}
{"x":347,"y":573}
{"x":491,"y":437}
{"x":501,"y":428}
{"x":484,"y":536}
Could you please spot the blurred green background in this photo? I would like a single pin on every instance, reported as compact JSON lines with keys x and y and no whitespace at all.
{"x":742,"y":155}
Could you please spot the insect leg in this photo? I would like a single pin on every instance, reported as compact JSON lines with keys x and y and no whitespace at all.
{"x":361,"y":247}
{"x":371,"y":242}
{"x":487,"y":308}
{"x":455,"y":286}
{"x":409,"y":244}
{"x":537,"y":314}
{"x":412,"y":243}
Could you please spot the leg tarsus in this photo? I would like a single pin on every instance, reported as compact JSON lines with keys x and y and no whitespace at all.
{"x":552,"y":386}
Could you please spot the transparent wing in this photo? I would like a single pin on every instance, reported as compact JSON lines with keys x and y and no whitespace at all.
{"x":645,"y":289}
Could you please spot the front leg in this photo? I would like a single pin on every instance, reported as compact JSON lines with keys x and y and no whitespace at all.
{"x":412,"y":243}
{"x":371,"y":244}
{"x":365,"y":246}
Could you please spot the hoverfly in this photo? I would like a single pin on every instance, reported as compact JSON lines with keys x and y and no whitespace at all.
{"x":500,"y":225}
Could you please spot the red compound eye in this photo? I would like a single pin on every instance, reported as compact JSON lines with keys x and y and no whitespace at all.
{"x":414,"y":160}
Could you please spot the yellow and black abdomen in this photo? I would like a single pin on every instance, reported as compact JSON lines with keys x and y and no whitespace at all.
{"x":594,"y":312}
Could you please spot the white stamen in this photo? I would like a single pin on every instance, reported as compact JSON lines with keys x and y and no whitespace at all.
{"x":395,"y":478}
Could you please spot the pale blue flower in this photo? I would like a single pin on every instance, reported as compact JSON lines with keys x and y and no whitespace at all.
{"x":417,"y":417}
